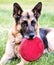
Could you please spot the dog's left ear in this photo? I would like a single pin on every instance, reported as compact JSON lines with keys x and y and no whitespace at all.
{"x":37,"y":9}
{"x":17,"y":10}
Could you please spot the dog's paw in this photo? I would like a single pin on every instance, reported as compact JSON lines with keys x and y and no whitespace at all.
{"x":20,"y":64}
{"x":1,"y":63}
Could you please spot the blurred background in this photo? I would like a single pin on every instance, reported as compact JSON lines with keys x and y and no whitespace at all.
{"x":6,"y":21}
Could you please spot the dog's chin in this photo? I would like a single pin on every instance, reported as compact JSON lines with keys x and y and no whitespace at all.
{"x":26,"y":36}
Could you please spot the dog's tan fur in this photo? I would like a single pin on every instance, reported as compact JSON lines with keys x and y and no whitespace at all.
{"x":15,"y":37}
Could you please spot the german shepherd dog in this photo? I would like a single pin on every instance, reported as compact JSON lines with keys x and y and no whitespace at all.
{"x":26,"y":25}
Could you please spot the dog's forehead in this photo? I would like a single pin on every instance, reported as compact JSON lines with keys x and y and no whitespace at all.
{"x":27,"y":14}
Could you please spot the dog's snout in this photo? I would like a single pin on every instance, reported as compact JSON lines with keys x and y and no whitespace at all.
{"x":31,"y":35}
{"x":31,"y":29}
{"x":31,"y":32}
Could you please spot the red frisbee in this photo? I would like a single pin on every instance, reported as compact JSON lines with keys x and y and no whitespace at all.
{"x":32,"y":49}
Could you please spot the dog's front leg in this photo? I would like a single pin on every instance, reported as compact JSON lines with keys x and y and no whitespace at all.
{"x":9,"y":53}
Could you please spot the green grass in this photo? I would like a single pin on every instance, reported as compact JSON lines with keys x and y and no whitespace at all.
{"x":6,"y":20}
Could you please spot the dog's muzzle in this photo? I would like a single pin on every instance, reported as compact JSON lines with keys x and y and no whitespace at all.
{"x":30,"y":33}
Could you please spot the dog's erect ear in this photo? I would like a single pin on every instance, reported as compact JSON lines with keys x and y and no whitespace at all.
{"x":17,"y":10}
{"x":37,"y":9}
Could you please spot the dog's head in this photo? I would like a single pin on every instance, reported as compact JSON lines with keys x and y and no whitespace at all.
{"x":27,"y":21}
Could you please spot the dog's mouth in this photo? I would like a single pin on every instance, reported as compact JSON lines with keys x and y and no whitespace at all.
{"x":29,"y":37}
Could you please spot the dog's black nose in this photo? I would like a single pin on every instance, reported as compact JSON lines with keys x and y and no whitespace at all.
{"x":31,"y":35}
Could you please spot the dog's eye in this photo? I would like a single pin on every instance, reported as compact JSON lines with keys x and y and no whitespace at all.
{"x":33,"y":23}
{"x":24,"y":23}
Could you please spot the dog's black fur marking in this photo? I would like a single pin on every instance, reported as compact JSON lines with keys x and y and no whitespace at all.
{"x":28,"y":16}
{"x":17,"y":19}
{"x":43,"y":34}
{"x":36,"y":17}
{"x":21,"y":33}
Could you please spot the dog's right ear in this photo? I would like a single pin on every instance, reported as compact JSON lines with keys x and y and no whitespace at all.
{"x":37,"y":9}
{"x":17,"y":10}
